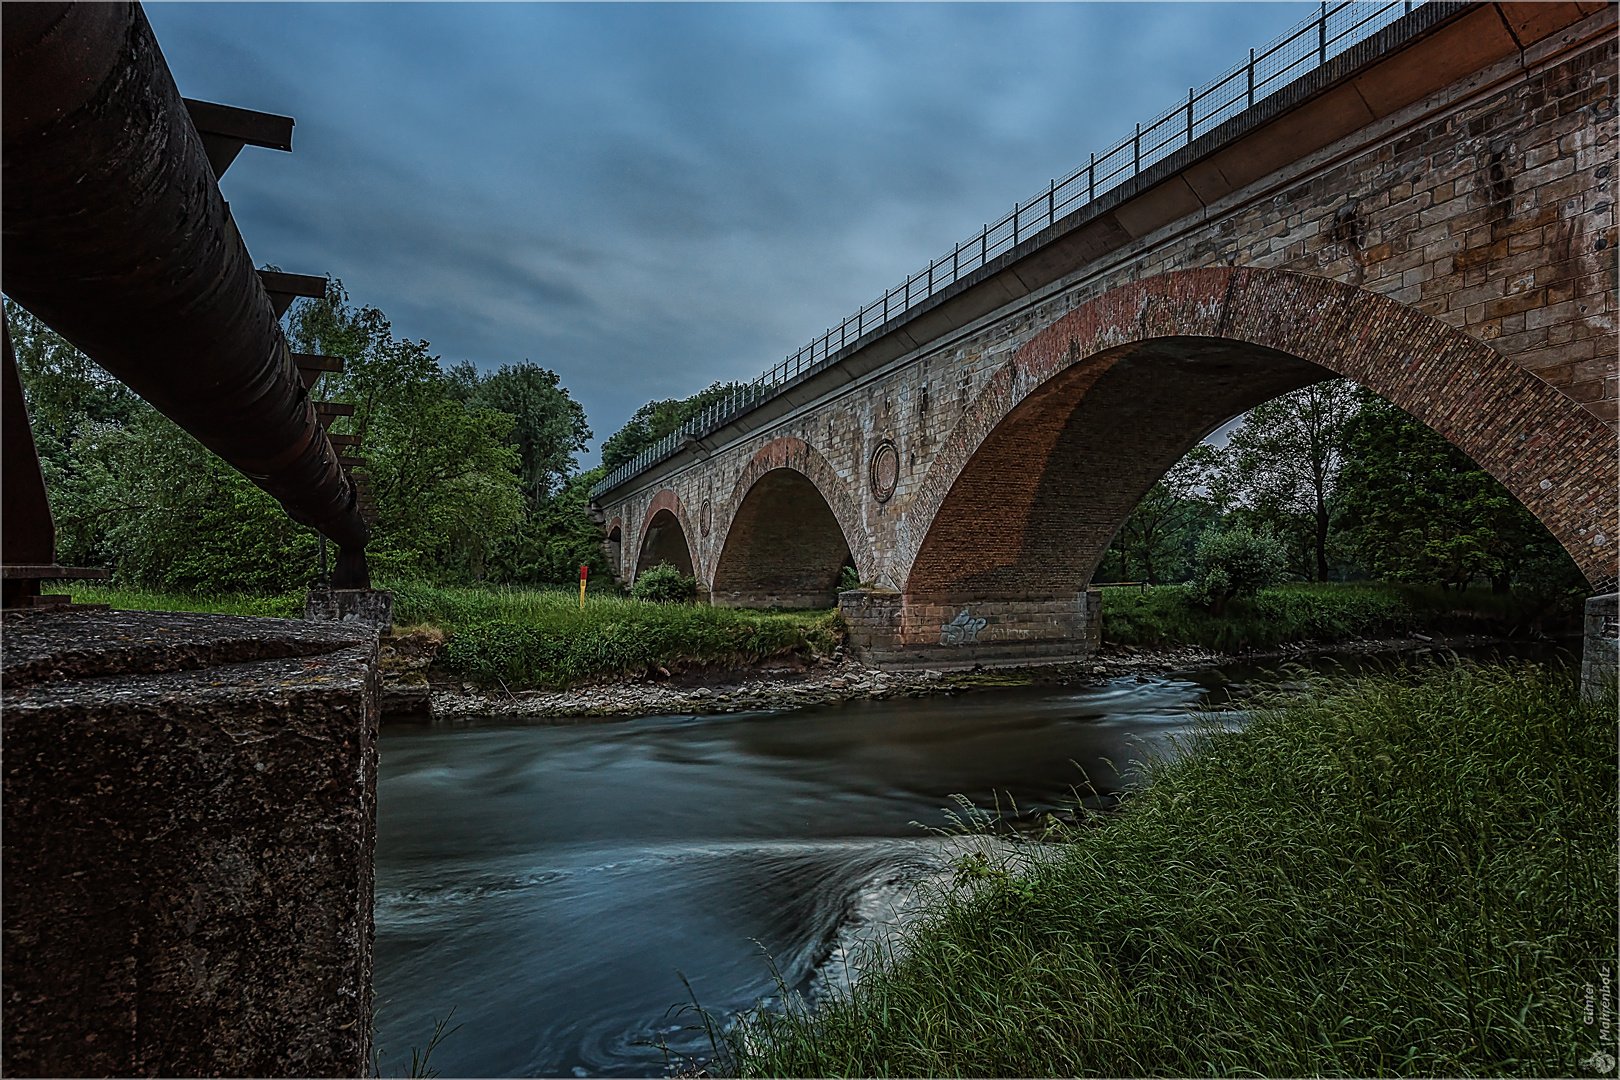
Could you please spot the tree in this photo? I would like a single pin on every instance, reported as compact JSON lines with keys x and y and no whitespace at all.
{"x":444,"y":474}
{"x":1156,"y":541}
{"x":62,"y":386}
{"x":1421,"y":510}
{"x":657,"y":419}
{"x":549,"y":426}
{"x":1282,"y":465}
{"x":1236,"y":561}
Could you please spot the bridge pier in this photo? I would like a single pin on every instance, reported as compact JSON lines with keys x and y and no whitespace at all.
{"x":1600,"y":659}
{"x":893,"y":630}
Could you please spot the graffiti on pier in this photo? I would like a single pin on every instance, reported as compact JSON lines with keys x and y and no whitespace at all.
{"x":962,"y":630}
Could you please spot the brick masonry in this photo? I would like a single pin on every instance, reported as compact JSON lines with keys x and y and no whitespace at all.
{"x":1457,"y":256}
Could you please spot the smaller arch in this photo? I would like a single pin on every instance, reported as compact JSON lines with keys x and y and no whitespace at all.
{"x":784,"y":548}
{"x":793,"y":453}
{"x":665,"y":535}
{"x":787,"y":532}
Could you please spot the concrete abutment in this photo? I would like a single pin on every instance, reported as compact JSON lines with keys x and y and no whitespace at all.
{"x":189,"y":823}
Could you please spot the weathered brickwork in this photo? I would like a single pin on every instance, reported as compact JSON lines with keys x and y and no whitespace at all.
{"x":1457,"y":257}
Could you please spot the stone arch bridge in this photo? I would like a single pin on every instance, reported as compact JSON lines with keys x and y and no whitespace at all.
{"x":1431,"y":215}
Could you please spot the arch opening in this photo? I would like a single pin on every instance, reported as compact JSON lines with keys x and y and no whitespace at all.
{"x":1071,"y":432}
{"x":1037,"y":505}
{"x":784,"y":547}
{"x":664,"y":542}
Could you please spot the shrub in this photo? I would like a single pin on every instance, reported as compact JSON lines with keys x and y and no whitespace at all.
{"x":1237,"y":562}
{"x":664,"y":584}
{"x":848,"y":578}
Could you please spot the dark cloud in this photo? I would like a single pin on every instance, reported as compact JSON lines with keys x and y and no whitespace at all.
{"x":649,"y":198}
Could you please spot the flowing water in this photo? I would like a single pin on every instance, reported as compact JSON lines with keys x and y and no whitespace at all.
{"x":553,"y":884}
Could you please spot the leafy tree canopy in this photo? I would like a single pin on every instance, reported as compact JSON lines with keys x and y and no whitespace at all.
{"x":656,"y":419}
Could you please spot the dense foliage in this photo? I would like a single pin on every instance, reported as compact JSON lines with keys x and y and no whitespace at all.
{"x":1351,"y":487}
{"x":664,"y":584}
{"x":1321,"y":612}
{"x":1383,"y":878}
{"x":656,"y":419}
{"x":1236,"y":561}
{"x":474,"y":474}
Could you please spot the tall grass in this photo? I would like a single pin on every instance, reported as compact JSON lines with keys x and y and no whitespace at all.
{"x":121,"y":598}
{"x":1167,"y":614}
{"x":536,"y":638}
{"x":541,"y":638}
{"x":1405,"y":874}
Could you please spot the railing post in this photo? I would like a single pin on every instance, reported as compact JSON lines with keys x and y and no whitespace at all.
{"x":956,"y":261}
{"x":984,"y":245}
{"x":1189,"y":115}
{"x":1136,"y":152}
{"x":1251,"y":78}
{"x":1051,"y":201}
{"x":930,"y":277}
{"x":1015,"y":225}
{"x":907,"y":304}
{"x":1091,"y":179}
{"x":885,"y":305}
{"x":1321,"y":35}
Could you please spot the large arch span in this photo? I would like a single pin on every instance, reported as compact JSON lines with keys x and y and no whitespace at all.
{"x":1070,"y":433}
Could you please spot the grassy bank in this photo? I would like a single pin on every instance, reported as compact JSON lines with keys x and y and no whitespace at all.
{"x":541,"y":638}
{"x":1167,"y":615}
{"x":1408,"y":874}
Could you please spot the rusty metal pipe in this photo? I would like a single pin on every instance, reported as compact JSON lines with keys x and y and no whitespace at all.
{"x":116,"y":235}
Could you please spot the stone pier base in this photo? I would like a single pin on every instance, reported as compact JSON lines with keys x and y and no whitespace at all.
{"x":1600,"y":659}
{"x":189,"y":819}
{"x":891,"y":630}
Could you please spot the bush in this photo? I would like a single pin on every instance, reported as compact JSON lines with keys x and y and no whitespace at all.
{"x":848,"y":578}
{"x":1237,"y":562}
{"x":663,"y":584}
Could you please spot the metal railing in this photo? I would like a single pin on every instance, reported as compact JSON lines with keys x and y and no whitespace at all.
{"x":1312,"y":43}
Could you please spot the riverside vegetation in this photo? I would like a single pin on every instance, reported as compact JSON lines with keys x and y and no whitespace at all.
{"x":538,"y":638}
{"x":1405,"y":873}
{"x":541,"y":639}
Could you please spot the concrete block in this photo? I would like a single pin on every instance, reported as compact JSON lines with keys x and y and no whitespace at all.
{"x":368,"y":607}
{"x":189,"y":821}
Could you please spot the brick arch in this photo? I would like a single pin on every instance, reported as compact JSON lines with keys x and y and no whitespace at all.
{"x":791,"y":474}
{"x":665,"y":545}
{"x":1067,"y":436}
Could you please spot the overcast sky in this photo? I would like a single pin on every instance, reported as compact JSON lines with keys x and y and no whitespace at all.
{"x":649,"y":198}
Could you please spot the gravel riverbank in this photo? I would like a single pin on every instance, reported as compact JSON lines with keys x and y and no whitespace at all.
{"x":843,"y":679}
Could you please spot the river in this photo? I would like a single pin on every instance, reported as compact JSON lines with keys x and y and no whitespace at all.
{"x":552,"y":884}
